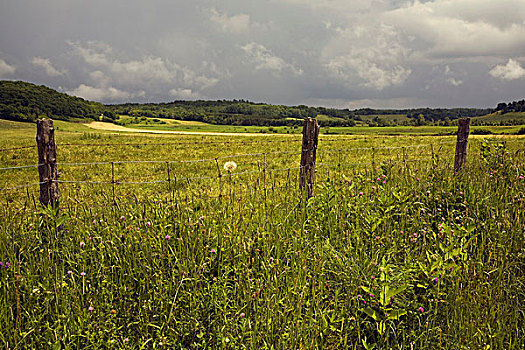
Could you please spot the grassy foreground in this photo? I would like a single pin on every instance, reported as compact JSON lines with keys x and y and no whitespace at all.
{"x":398,"y":255}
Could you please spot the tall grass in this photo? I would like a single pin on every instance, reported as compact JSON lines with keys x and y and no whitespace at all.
{"x":396,"y":255}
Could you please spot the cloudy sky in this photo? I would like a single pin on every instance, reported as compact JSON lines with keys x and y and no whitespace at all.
{"x":334,"y":53}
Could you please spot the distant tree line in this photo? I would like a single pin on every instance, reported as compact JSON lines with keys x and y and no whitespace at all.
{"x":27,"y":102}
{"x":515,"y":106}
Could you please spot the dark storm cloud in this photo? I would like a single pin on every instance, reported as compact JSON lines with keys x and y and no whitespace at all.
{"x":344,"y":53}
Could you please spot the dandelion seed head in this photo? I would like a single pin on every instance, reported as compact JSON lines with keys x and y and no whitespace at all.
{"x":230,"y":166}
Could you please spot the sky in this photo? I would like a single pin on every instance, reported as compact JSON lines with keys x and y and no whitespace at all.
{"x":332,"y":53}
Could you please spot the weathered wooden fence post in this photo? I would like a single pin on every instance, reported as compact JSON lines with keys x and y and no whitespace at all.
{"x":47,"y":160}
{"x":461,"y":144}
{"x":308,"y":155}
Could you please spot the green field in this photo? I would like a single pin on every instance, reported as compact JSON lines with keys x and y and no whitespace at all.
{"x":157,"y":246}
{"x":179,"y":125}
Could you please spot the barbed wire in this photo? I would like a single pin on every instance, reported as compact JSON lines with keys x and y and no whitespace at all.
{"x":22,"y":186}
{"x":16,"y":148}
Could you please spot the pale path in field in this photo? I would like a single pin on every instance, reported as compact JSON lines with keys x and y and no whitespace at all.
{"x":114,"y":127}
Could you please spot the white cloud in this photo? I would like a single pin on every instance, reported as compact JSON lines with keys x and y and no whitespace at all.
{"x":264,"y":59}
{"x":183,"y":94}
{"x":236,"y":24}
{"x":511,"y":71}
{"x":45,"y":63}
{"x":147,"y":71}
{"x":102,"y":93}
{"x":372,"y":57}
{"x":461,"y":28}
{"x":5,"y":68}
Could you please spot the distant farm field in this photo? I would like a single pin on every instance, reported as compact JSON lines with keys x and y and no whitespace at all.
{"x":162,"y":242}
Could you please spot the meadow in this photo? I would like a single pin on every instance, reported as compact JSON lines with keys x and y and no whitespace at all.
{"x":158,"y":245}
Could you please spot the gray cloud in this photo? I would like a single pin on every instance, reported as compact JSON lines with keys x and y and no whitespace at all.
{"x":353,"y":53}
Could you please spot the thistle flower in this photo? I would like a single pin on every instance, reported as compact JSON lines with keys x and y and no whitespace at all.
{"x":230,"y":166}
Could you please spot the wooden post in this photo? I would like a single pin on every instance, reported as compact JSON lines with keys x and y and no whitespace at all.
{"x":308,"y":154}
{"x":461,"y":144}
{"x":47,"y":160}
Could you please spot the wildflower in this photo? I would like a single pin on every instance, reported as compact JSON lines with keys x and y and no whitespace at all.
{"x":82,"y":274}
{"x":69,"y":272}
{"x":360,"y":193}
{"x":435,"y":280}
{"x":126,"y":340}
{"x":148,"y":223}
{"x":202,"y":217}
{"x":7,"y":265}
{"x":179,"y":239}
{"x":230,"y":166}
{"x":271,"y":259}
{"x":359,"y":295}
{"x":242,"y":315}
{"x":122,"y":218}
{"x":113,"y":311}
{"x":82,"y":244}
{"x":213,"y":250}
{"x":373,"y":278}
{"x":520,"y":177}
{"x":371,"y":295}
{"x":167,"y":237}
{"x":421,"y":309}
{"x":90,"y":308}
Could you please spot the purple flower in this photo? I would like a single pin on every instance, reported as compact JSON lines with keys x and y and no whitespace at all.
{"x":148,"y":223}
{"x":373,"y":278}
{"x":167,"y":237}
{"x":90,"y":308}
{"x":82,"y":244}
{"x":360,"y":193}
{"x":202,"y":217}
{"x":242,"y":315}
{"x":436,"y":280}
{"x":359,"y":295}
{"x":82,"y":274}
{"x":421,"y":309}
{"x":7,"y":265}
{"x":371,"y":295}
{"x":213,"y":250}
{"x":69,"y":272}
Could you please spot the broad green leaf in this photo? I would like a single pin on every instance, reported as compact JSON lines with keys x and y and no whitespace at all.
{"x":371,"y":312}
{"x":395,"y":314}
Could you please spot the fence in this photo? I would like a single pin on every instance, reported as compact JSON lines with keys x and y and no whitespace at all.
{"x":220,"y":181}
